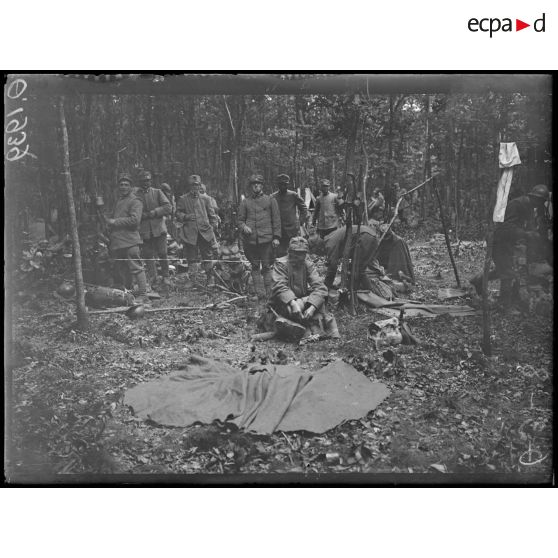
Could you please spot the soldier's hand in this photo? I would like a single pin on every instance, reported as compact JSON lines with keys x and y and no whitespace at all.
{"x":275,"y":243}
{"x":294,"y":308}
{"x":110,"y":222}
{"x":152,"y":214}
{"x":246,"y":229}
{"x":309,"y":312}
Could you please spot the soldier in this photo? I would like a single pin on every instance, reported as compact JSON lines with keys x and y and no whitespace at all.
{"x":292,"y":210}
{"x":369,"y":270}
{"x":169,"y":219}
{"x":125,"y":238}
{"x":213,"y":201}
{"x":198,"y":220}
{"x":520,"y":213}
{"x":376,"y":205}
{"x":153,"y":229}
{"x":298,"y":292}
{"x":328,"y":210}
{"x":260,"y":224}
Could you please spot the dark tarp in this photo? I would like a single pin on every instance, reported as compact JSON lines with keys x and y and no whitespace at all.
{"x":261,"y":399}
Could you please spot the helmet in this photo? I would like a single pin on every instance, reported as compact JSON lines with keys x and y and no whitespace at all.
{"x":540,"y":191}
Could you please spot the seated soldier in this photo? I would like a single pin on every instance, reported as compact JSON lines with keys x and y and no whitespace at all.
{"x":298,"y":292}
{"x":395,"y":257}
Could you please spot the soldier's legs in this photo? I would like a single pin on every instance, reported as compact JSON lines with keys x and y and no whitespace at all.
{"x":267,"y":259}
{"x":503,"y":261}
{"x":209,"y":253}
{"x":149,"y":254}
{"x":135,"y":269}
{"x":161,"y":249}
{"x":122,"y":277}
{"x":252,"y":253}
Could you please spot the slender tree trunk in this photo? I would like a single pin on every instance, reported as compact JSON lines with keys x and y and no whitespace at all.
{"x":81,"y":310}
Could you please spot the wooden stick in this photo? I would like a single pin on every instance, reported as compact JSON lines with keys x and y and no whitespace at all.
{"x":444,"y":226}
{"x":124,"y":309}
{"x":396,"y":211}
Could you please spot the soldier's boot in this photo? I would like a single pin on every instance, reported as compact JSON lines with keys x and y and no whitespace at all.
{"x":330,"y":327}
{"x":141,"y":281}
{"x":268,"y":282}
{"x":258,"y":284}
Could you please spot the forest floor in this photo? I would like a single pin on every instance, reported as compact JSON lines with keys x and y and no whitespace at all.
{"x":451,"y":409}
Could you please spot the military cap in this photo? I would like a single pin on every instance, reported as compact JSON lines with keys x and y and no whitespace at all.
{"x":194,"y":179}
{"x":144,"y":175}
{"x":298,"y":244}
{"x":325,"y":182}
{"x":283,"y":179}
{"x":124,"y":177}
{"x":256,"y":179}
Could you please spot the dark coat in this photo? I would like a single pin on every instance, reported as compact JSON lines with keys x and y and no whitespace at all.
{"x":155,"y":200}
{"x":334,"y":245}
{"x":127,"y":215}
{"x":327,"y":212}
{"x":290,"y":283}
{"x":261,"y":214}
{"x":289,"y":202}
{"x":197,"y":217}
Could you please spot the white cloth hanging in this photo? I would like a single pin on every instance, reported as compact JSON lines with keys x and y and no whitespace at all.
{"x":507,"y":159}
{"x":508,"y":156}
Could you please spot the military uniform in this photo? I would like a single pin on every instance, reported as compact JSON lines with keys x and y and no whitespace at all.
{"x":367,"y":245}
{"x":125,"y":240}
{"x":153,"y":229}
{"x":293,"y":212}
{"x":260,"y":224}
{"x":198,"y":220}
{"x":519,"y":216}
{"x":297,"y":288}
{"x":327,"y":212}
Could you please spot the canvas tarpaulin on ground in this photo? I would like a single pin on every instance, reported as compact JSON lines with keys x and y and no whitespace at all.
{"x":260,"y":399}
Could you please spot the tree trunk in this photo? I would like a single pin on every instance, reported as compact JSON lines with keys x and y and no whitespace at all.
{"x":81,"y":310}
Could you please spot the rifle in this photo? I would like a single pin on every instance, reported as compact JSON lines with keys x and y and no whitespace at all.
{"x":348,"y":203}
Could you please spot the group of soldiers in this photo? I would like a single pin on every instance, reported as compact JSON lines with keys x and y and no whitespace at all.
{"x":272,"y":232}
{"x":274,"y":239}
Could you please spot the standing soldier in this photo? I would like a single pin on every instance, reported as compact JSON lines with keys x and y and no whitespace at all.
{"x":169,"y":219}
{"x":260,"y":224}
{"x":198,"y":220}
{"x":203,"y":192}
{"x":292,"y":210}
{"x":520,"y":213}
{"x":125,"y":238}
{"x":153,"y":229}
{"x":328,"y":210}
